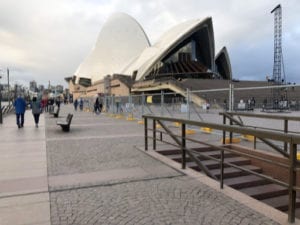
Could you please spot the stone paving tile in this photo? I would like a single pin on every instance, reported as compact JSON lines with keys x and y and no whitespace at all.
{"x":180,"y":200}
{"x":67,"y":157}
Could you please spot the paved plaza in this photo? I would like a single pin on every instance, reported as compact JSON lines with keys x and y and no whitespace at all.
{"x":98,"y":173}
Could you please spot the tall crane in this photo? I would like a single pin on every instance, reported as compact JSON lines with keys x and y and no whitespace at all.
{"x":278,"y":59}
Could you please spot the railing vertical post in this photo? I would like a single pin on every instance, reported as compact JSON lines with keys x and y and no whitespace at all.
{"x":154,"y":134}
{"x":286,"y":122}
{"x":292,"y":183}
{"x":222,"y":169}
{"x":146,"y":133}
{"x":143,"y":102}
{"x":254,"y":143}
{"x":183,"y":145}
{"x":224,"y":132}
{"x":162,"y":103}
{"x":188,"y":104}
{"x":230,"y":134}
{"x":231,"y":97}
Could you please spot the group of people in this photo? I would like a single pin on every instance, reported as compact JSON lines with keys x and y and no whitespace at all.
{"x":97,"y":105}
{"x":38,"y":106}
{"x":20,"y":108}
{"x":80,"y":103}
{"x":48,"y":103}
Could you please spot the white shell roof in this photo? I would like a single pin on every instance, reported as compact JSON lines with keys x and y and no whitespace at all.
{"x":121,"y":41}
{"x":123,"y":47}
{"x":163,"y":46}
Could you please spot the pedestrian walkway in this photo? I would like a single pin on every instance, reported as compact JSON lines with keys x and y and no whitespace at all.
{"x":24,"y":197}
{"x":98,"y":173}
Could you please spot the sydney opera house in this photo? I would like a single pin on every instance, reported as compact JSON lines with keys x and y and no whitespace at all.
{"x":123,"y":61}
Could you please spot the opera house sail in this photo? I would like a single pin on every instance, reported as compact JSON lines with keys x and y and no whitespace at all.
{"x":186,"y":51}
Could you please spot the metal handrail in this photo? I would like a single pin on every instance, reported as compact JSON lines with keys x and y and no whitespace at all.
{"x":285,"y":118}
{"x":265,"y":116}
{"x":232,"y":128}
{"x":292,"y":139}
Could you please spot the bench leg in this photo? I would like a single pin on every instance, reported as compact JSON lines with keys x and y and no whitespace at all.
{"x":65,"y":128}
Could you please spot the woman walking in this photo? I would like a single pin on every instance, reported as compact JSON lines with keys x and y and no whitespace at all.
{"x":36,"y":110}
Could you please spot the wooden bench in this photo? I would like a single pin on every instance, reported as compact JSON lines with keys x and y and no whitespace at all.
{"x":65,"y":124}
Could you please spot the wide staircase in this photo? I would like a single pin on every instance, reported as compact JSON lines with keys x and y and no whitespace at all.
{"x":252,"y":185}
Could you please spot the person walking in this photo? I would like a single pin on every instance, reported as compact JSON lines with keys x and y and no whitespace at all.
{"x":81,"y":104}
{"x":20,"y":107}
{"x":75,"y":104}
{"x":97,"y":106}
{"x":36,"y":108}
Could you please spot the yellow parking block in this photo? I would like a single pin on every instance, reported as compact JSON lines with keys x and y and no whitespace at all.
{"x":141,"y":122}
{"x":234,"y":140}
{"x":248,"y":137}
{"x":177,"y":124}
{"x":189,"y":131}
{"x":206,"y":130}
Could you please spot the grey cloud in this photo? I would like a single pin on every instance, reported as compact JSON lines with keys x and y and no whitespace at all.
{"x":45,"y":40}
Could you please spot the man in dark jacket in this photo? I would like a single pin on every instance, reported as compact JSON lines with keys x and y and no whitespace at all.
{"x":20,"y":107}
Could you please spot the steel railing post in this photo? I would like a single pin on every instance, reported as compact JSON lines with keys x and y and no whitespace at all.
{"x":224,"y":132}
{"x":222,"y":169}
{"x":154,"y":134}
{"x":162,"y":103}
{"x":143,"y":102}
{"x":292,"y":183}
{"x":183,"y":145}
{"x":286,"y":123}
{"x":230,"y":133}
{"x":146,"y":133}
{"x":188,"y":104}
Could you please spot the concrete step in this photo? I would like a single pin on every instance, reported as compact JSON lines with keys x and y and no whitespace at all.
{"x":212,"y":164}
{"x":178,"y":151}
{"x":265,"y":191}
{"x":245,"y":181}
{"x":230,"y":172}
{"x":215,"y":154}
{"x":280,"y":202}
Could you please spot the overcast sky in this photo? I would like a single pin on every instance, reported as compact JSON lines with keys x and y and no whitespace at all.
{"x":46,"y":40}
